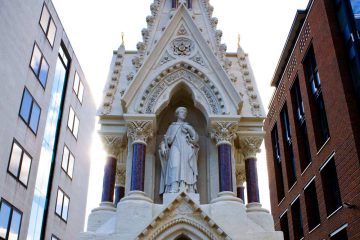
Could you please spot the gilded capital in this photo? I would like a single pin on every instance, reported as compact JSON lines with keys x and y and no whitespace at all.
{"x":224,"y":132}
{"x":250,"y":145}
{"x":140,"y":131}
{"x":113,"y":144}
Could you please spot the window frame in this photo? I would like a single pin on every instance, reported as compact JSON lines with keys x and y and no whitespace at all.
{"x":277,"y":161}
{"x":77,"y":90}
{"x":12,"y":208}
{"x":27,"y":122}
{"x":285,"y":213}
{"x":73,"y":123}
{"x":23,"y":151}
{"x":42,"y":59}
{"x":297,"y":199}
{"x":51,"y":19}
{"x":62,"y":205}
{"x":68,"y":162}
{"x":309,"y":212}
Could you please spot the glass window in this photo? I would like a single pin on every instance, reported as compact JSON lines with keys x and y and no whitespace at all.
{"x":30,"y":111}
{"x":288,"y":147}
{"x":73,"y":123}
{"x":78,"y":87}
{"x":174,"y":3}
{"x":330,"y":186}
{"x":47,"y":24}
{"x":20,"y":163}
{"x":284,"y":225}
{"x":340,"y":234}
{"x":39,"y":65}
{"x":297,"y":219}
{"x":10,"y":221}
{"x":316,"y":99}
{"x":189,"y":4}
{"x":62,"y":205}
{"x":312,"y":207}
{"x":68,"y":162}
{"x":277,"y":164}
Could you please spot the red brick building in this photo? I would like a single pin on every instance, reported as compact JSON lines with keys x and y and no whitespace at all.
{"x":313,"y":127}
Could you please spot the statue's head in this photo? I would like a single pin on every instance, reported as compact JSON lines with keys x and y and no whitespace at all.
{"x":181,"y":113}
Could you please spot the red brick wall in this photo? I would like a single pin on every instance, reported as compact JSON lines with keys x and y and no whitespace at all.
{"x":343,"y":119}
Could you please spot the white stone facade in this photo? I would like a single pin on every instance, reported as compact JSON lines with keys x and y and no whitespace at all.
{"x":181,"y":62}
{"x":19,"y":31}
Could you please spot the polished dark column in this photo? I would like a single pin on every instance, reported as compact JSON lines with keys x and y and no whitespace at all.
{"x":225,"y":169}
{"x":241,"y":192}
{"x":109,"y":180}
{"x":252,"y":180}
{"x":138,"y":167}
{"x":119,"y":194}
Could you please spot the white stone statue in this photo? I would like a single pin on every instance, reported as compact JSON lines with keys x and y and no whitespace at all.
{"x":178,"y":155}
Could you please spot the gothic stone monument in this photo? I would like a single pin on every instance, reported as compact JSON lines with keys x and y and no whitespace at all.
{"x":181,"y":122}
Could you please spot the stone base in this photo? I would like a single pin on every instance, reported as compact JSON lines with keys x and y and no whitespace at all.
{"x":137,"y":217}
{"x":169,"y":197}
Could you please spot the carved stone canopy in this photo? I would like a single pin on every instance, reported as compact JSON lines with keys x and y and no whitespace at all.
{"x":224,"y":132}
{"x":250,"y":145}
{"x":113,"y":144}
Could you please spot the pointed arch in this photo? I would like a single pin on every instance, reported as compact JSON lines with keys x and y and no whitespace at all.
{"x":205,"y":95}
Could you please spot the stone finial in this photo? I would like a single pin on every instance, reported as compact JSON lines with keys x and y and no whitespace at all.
{"x":250,"y":145}
{"x":224,"y":132}
{"x":140,"y":131}
{"x":113,"y":144}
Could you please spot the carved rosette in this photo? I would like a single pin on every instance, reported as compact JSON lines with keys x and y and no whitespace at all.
{"x":113,"y":144}
{"x":224,"y":132}
{"x":140,"y":131}
{"x":250,"y":146}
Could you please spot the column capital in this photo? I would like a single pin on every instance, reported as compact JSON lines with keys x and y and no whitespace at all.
{"x":250,"y":145}
{"x":224,"y":132}
{"x":113,"y":144}
{"x":240,"y":176}
{"x":140,"y":131}
{"x":120,"y":175}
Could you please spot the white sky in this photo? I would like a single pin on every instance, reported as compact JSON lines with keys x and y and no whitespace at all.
{"x":94,"y":29}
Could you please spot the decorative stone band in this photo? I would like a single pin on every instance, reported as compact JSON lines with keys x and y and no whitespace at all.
{"x":224,"y":132}
{"x":140,"y":131}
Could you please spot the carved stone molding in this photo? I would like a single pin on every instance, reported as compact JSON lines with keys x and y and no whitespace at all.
{"x":182,"y":46}
{"x":224,"y":132}
{"x":113,"y":144}
{"x":140,"y":131}
{"x":240,"y":175}
{"x":250,"y":145}
{"x":120,"y":175}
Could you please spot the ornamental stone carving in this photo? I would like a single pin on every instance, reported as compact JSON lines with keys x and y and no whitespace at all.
{"x":140,"y":131}
{"x":250,"y":145}
{"x":224,"y":132}
{"x":113,"y":144}
{"x":182,"y":31}
{"x":182,"y":46}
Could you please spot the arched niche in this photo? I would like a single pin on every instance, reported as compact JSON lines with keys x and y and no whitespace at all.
{"x":182,"y":96}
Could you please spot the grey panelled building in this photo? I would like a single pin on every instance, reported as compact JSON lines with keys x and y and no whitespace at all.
{"x":47,"y":114}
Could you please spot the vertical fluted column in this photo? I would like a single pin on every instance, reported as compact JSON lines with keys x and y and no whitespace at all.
{"x":223,"y":133}
{"x":250,"y":147}
{"x":112,"y":146}
{"x":139,"y":132}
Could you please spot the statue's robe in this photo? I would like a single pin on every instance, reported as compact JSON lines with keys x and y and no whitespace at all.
{"x":180,"y":164}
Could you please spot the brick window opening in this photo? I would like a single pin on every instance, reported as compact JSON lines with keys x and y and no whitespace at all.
{"x":284,"y":225}
{"x":300,"y":126}
{"x":297,"y":219}
{"x":30,"y":111}
{"x":316,"y":99}
{"x":19,"y":163}
{"x":48,"y":25}
{"x":312,"y":207}
{"x":10,"y":221}
{"x":62,"y":205}
{"x":340,"y":234}
{"x":277,"y":164}
{"x":330,"y":184}
{"x":289,"y":153}
{"x":39,"y":65}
